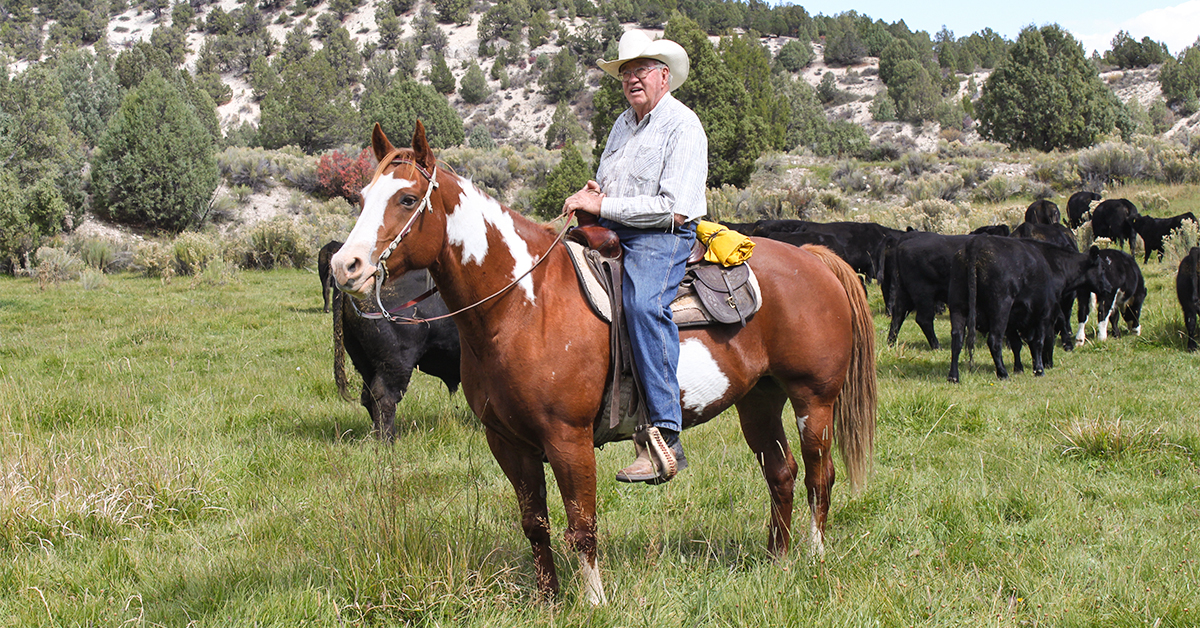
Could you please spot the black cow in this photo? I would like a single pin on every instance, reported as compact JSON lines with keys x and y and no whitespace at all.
{"x":858,"y":243}
{"x":1010,"y":288}
{"x":1187,"y":288}
{"x":915,"y":276}
{"x":1043,"y":212}
{"x":1111,"y":219}
{"x":1153,"y":230}
{"x":385,"y":353}
{"x":1123,"y":300}
{"x":1078,"y":206}
{"x":996,"y":230}
{"x":1059,"y":236}
{"x":323,"y":273}
{"x":1052,"y":233}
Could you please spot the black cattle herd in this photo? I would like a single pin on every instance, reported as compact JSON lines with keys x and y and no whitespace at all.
{"x":1017,"y":287}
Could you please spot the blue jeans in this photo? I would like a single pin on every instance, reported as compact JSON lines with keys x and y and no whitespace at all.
{"x":654,"y":263}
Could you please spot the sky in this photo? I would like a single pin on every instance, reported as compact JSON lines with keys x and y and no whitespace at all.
{"x":1093,"y":23}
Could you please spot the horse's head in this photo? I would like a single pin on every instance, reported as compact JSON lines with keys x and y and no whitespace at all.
{"x":402,"y":224}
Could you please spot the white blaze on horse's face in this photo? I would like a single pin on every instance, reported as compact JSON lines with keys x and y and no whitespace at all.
{"x":701,"y":381}
{"x":366,"y":231}
{"x":466,"y":227}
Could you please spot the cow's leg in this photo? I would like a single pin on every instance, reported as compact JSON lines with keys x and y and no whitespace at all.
{"x":1087,"y":301}
{"x":957,"y":323}
{"x":760,"y":414}
{"x":1014,"y":343}
{"x":925,"y":315}
{"x":1110,"y":315}
{"x":899,"y":312}
{"x":572,"y":457}
{"x":523,"y":468}
{"x":384,"y":397}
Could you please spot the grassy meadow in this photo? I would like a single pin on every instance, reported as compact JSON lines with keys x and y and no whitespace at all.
{"x":177,"y":454}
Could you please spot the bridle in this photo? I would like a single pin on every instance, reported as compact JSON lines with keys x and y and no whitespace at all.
{"x":381,"y":272}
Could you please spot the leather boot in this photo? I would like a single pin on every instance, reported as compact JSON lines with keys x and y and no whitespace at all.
{"x":656,"y":460}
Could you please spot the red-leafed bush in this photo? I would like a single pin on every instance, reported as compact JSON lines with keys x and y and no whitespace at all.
{"x":338,"y":174}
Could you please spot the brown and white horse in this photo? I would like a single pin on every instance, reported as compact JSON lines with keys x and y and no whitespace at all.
{"x":535,"y":358}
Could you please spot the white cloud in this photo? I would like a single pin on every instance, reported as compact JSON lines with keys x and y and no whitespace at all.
{"x":1177,"y":27}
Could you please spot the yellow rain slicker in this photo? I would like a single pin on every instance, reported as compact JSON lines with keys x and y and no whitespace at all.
{"x":725,"y":246}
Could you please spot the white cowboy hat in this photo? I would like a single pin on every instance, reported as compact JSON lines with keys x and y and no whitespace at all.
{"x":635,"y":44}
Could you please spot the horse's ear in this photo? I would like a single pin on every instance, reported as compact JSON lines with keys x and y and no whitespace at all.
{"x":421,"y":150}
{"x":380,"y":143}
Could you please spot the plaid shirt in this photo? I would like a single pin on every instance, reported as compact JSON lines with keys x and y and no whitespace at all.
{"x":654,"y":169}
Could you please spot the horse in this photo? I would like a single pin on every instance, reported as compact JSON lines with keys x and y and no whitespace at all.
{"x":535,"y":359}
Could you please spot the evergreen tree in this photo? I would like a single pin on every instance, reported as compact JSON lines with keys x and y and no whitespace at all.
{"x":913,"y":91}
{"x":439,"y":74}
{"x":473,"y":87}
{"x":571,"y":174}
{"x":1180,"y":80}
{"x":90,"y":93}
{"x":398,"y":109}
{"x":343,"y":56}
{"x":308,"y":109}
{"x":1127,"y":52}
{"x":453,"y":11}
{"x":155,"y":165}
{"x":390,"y":27}
{"x":563,"y":80}
{"x":564,"y":127}
{"x":1046,"y":95}
{"x":794,"y":55}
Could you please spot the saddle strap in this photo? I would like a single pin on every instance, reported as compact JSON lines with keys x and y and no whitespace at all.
{"x":620,"y":348}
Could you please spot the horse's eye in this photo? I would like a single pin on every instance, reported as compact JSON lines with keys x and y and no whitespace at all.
{"x":408,"y":200}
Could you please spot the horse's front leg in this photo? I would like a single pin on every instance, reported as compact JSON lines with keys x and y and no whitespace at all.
{"x":524,"y":470}
{"x":573,"y":461}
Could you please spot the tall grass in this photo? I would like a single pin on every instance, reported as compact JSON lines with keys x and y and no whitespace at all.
{"x":175,"y":454}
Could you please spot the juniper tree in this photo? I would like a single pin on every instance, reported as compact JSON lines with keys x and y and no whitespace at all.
{"x":155,"y":165}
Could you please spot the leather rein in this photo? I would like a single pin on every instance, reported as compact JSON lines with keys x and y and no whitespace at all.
{"x":381,"y":272}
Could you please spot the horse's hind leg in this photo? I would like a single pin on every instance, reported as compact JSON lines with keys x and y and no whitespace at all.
{"x":760,"y":413}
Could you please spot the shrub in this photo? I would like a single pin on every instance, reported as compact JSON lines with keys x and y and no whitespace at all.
{"x":850,"y":177}
{"x":944,"y":186}
{"x":1179,"y":242}
{"x":795,"y":55}
{"x":974,"y":172}
{"x":1056,"y":170}
{"x":914,"y":164}
{"x":154,"y":259}
{"x":191,"y":252}
{"x":998,"y":189}
{"x":54,"y":265}
{"x":250,"y":167}
{"x":97,"y":253}
{"x":1152,"y":202}
{"x":883,"y":108}
{"x":340,"y":175}
{"x":278,"y":242}
{"x":1112,"y":162}
{"x":939,"y":216}
{"x":217,"y":272}
{"x":571,"y":174}
{"x":92,"y":279}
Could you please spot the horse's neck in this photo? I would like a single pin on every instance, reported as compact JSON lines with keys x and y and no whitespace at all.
{"x":490,"y":249}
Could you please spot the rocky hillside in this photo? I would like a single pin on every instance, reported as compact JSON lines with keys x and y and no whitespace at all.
{"x":520,"y":114}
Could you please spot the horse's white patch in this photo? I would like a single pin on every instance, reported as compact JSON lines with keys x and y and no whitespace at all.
{"x":593,"y":588}
{"x":466,"y":227}
{"x":700,"y":378}
{"x":818,"y":539}
{"x":370,"y":221}
{"x":801,"y":423}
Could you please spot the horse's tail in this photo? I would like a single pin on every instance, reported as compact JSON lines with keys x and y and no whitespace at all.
{"x":855,"y":408}
{"x":339,"y":347}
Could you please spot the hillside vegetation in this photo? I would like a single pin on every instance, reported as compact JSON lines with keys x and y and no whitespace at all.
{"x":817,"y":116}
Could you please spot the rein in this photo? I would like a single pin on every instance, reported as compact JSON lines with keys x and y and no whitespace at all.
{"x":381,"y":272}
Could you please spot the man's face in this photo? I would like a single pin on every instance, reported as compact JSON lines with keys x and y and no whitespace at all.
{"x":644,"y":93}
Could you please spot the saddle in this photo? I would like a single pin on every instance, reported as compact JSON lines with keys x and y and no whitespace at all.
{"x":709,"y":294}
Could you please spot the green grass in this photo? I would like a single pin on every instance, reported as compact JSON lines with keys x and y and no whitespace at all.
{"x":178,"y":455}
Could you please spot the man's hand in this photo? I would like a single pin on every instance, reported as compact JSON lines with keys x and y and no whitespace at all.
{"x":587,"y":199}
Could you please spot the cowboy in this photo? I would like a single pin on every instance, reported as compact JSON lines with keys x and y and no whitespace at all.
{"x":649,"y":188}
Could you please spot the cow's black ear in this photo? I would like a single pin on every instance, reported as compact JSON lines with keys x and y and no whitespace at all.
{"x":1094,"y":252}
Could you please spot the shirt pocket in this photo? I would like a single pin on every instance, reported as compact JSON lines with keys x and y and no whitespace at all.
{"x":647,"y":167}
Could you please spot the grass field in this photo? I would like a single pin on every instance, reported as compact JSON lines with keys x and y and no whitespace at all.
{"x":178,"y":455}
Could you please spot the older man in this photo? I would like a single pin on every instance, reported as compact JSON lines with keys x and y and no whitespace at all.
{"x":649,"y":188}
